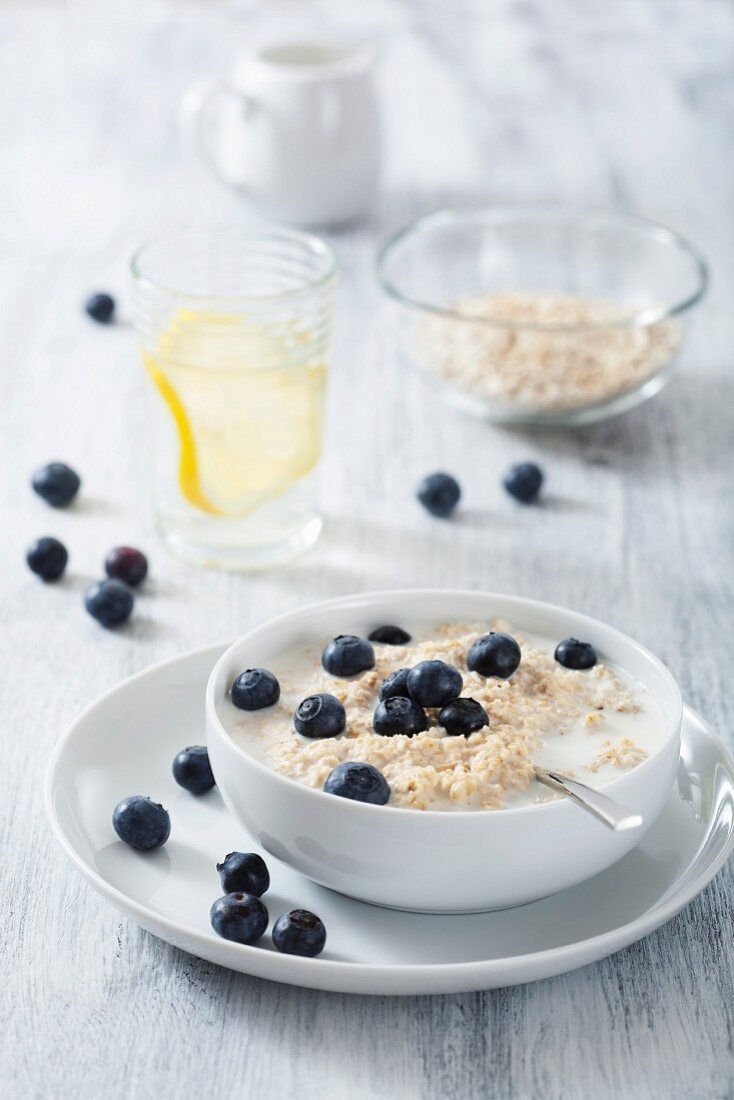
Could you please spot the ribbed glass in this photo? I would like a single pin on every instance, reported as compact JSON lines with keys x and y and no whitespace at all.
{"x":235,"y":328}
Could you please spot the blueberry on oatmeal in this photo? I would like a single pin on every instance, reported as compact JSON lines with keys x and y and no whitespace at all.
{"x":433,"y":683}
{"x":320,"y":716}
{"x":398,"y":714}
{"x":494,"y":655}
{"x":395,"y":684}
{"x":360,"y":782}
{"x":462,"y":717}
{"x":254,"y":689}
{"x":348,"y":655}
{"x":390,"y":635}
{"x":571,"y":653}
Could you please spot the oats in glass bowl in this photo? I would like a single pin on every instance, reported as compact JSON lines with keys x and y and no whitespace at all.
{"x":547,"y":315}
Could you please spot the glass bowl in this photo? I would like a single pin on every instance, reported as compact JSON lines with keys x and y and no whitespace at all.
{"x":541,"y":315}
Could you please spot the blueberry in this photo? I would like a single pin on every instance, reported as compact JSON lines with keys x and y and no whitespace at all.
{"x":390,"y":635}
{"x":100,"y":307}
{"x":439,"y":494}
{"x":433,"y":683}
{"x":126,"y":564}
{"x":399,"y":714}
{"x":254,"y":689}
{"x":572,"y":653}
{"x":244,"y":872}
{"x":462,"y":717}
{"x":192,"y":770}
{"x":141,"y":823}
{"x":57,"y":483}
{"x":299,"y":933}
{"x":47,"y":558}
{"x":360,"y":782}
{"x":240,"y":917}
{"x":347,"y":655}
{"x":523,"y":481}
{"x":494,"y":655}
{"x":109,"y":602}
{"x":395,"y":684}
{"x":320,"y":716}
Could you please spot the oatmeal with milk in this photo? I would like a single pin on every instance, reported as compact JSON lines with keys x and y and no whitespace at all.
{"x":448,"y":718}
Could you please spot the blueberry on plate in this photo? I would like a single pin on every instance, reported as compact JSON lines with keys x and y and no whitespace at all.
{"x":360,"y":782}
{"x":439,"y":494}
{"x":109,"y":602}
{"x":523,"y":481}
{"x":100,"y":307}
{"x":47,"y":558}
{"x":141,"y":823}
{"x":395,"y":684}
{"x":571,"y":653}
{"x":192,"y":770}
{"x":390,"y":635}
{"x":254,"y":689}
{"x":239,"y":916}
{"x":57,"y":483}
{"x":460,"y":717}
{"x":398,"y":714}
{"x":348,"y":655}
{"x":433,"y":683}
{"x":126,"y":564}
{"x":299,"y":933}
{"x":320,"y":716}
{"x":494,"y":655}
{"x":244,"y":873}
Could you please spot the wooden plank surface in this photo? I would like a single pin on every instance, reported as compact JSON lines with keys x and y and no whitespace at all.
{"x":627,"y":104}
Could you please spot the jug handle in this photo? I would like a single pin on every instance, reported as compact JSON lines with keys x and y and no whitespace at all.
{"x":197,"y":119}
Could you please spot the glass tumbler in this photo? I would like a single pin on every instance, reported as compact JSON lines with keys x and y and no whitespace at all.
{"x":235,"y":328}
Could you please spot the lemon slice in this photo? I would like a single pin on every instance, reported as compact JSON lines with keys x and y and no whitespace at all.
{"x":247,"y":417}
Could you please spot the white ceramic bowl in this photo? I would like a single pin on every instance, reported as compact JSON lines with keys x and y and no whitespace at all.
{"x":434,"y":861}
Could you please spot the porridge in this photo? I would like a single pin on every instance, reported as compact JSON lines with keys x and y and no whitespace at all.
{"x":544,"y":369}
{"x":460,"y":730}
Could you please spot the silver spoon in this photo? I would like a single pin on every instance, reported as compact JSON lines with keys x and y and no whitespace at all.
{"x":612,"y":813}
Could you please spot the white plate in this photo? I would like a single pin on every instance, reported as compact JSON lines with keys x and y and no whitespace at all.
{"x":124,"y":744}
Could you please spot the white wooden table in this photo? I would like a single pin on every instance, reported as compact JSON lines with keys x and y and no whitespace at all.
{"x":626,"y":104}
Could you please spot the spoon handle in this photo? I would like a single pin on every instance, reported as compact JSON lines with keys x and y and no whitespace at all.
{"x":612,"y":813}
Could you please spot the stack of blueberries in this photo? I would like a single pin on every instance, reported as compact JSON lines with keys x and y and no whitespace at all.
{"x":240,"y":914}
{"x":109,"y":601}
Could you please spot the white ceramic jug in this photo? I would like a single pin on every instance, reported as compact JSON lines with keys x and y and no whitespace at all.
{"x":296,"y":129}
